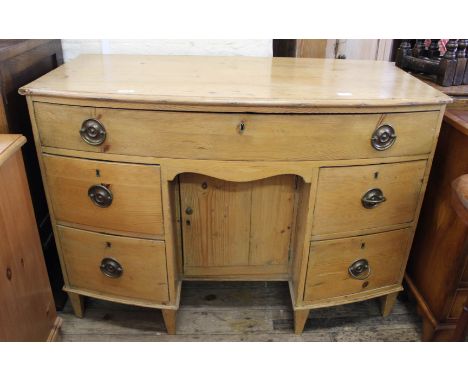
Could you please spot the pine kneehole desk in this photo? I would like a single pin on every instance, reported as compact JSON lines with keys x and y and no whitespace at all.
{"x":164,"y":169}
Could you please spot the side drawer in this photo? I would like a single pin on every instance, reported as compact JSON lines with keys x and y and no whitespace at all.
{"x":376,"y":261}
{"x":220,"y":136}
{"x":115,"y":266}
{"x":340,"y":206}
{"x":132,"y":191}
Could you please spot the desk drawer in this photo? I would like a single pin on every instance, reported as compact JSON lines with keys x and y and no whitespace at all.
{"x":329,"y":272}
{"x":232,"y":136}
{"x":135,"y":207}
{"x":115,"y":265}
{"x":340,"y":206}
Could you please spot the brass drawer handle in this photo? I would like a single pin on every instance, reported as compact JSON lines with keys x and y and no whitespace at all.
{"x":111,"y":268}
{"x":93,"y":132}
{"x":373,"y":198}
{"x":383,"y":137}
{"x":100,"y":195}
{"x":360,"y":269}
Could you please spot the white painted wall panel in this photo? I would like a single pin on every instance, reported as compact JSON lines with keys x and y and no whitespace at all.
{"x":260,"y":48}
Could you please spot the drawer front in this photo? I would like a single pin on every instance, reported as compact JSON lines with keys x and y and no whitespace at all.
{"x":376,"y":261}
{"x":348,"y":197}
{"x":135,"y":207}
{"x":115,"y":265}
{"x":231,"y":136}
{"x":459,"y":301}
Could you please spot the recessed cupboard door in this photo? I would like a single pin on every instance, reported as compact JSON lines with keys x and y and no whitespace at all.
{"x":236,"y":228}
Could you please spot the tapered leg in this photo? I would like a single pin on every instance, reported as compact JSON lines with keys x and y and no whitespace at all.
{"x":300,"y":318}
{"x":387,"y":302}
{"x":78,"y":304}
{"x":169,"y":316}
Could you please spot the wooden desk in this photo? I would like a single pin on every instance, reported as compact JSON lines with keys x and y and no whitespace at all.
{"x":27,"y":308}
{"x":165,"y":169}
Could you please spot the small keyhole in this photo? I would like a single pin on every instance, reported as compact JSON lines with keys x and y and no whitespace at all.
{"x":187,"y":222}
{"x":376,"y":175}
{"x":241,"y":127}
{"x":8,"y":273}
{"x":363,"y":245}
{"x":108,"y":244}
{"x":365,"y":284}
{"x":98,"y":173}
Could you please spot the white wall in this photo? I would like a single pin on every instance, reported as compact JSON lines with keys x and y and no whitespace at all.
{"x":73,"y":48}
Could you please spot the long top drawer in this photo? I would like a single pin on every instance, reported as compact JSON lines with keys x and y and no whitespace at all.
{"x":232,"y":136}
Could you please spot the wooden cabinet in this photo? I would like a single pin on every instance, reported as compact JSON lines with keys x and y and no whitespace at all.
{"x":27,"y":307}
{"x":437,"y":270}
{"x":22,"y":61}
{"x":233,"y":169}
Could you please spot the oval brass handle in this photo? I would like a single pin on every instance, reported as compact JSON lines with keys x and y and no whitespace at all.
{"x":111,"y":268}
{"x":93,"y":132}
{"x":360,"y":269}
{"x":100,"y":195}
{"x":383,"y":137}
{"x":373,"y":198}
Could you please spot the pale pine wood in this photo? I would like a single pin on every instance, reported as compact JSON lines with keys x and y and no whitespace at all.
{"x":78,"y":303}
{"x":300,"y":318}
{"x":271,"y":220}
{"x":329,"y":260}
{"x":340,"y":190}
{"x":241,"y":81}
{"x":169,"y":316}
{"x":9,"y":145}
{"x":274,"y":143}
{"x":387,"y":303}
{"x":122,"y":104}
{"x":300,"y":239}
{"x":218,"y":234}
{"x":227,"y":230}
{"x":136,"y":189}
{"x":27,"y":310}
{"x":144,"y":274}
{"x":238,"y":171}
{"x":217,"y":136}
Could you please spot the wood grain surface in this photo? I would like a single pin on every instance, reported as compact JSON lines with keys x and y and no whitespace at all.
{"x":262,"y":82}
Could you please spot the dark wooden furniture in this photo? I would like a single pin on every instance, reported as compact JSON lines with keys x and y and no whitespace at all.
{"x":22,"y":61}
{"x":460,"y":205}
{"x":27,"y":311}
{"x":437,"y":272}
{"x":451,"y":69}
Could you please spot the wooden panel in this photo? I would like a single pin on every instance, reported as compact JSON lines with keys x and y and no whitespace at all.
{"x":217,"y":233}
{"x":136,"y":189}
{"x":236,"y":224}
{"x":439,"y":250}
{"x":239,"y":81}
{"x":329,"y":260}
{"x":459,"y":302}
{"x":217,"y":135}
{"x":465,"y":272}
{"x":272,"y":213}
{"x":27,"y":308}
{"x":340,"y":190}
{"x":143,"y":261}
